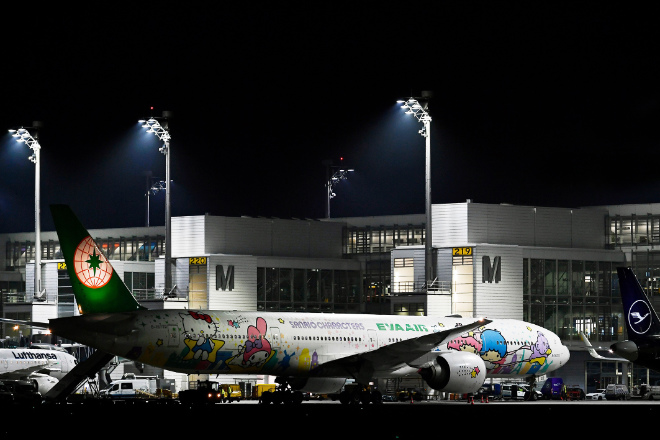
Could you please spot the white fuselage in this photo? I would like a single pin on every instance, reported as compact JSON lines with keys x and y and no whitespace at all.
{"x":43,"y":367}
{"x":294,"y":344}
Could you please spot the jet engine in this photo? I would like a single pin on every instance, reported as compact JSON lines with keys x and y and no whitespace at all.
{"x":457,"y":372}
{"x":317,"y":385}
{"x":628,"y":350}
{"x":42,"y":382}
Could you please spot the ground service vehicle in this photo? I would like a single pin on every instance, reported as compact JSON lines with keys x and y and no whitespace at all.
{"x":518,"y":391}
{"x":206,"y":392}
{"x":617,"y":392}
{"x":408,"y":395}
{"x":22,"y":391}
{"x":493,"y":391}
{"x":553,"y":388}
{"x":259,"y":389}
{"x":131,"y":388}
{"x":231,"y":392}
{"x":575,"y":393}
{"x":649,"y":392}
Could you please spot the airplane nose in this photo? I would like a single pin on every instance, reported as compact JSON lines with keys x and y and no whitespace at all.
{"x":565,"y":354}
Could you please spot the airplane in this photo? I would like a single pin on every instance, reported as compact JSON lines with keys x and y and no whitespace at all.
{"x":306,"y":352}
{"x":43,"y":367}
{"x":643,"y":346}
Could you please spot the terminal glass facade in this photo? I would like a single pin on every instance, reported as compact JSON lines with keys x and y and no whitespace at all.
{"x":369,"y":240}
{"x":373,"y":244}
{"x":633,"y":230}
{"x":135,"y":248}
{"x":572,"y":296}
{"x":308,"y":290}
{"x":641,"y":235}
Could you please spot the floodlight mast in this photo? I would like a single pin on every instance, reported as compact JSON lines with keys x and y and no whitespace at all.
{"x":419,"y":110}
{"x":162,"y":132}
{"x":336,"y":177}
{"x":22,"y":135}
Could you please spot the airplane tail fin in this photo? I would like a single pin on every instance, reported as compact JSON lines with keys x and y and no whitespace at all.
{"x":641,"y":320}
{"x":96,"y":285}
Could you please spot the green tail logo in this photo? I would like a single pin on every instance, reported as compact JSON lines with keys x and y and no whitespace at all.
{"x":96,"y":286}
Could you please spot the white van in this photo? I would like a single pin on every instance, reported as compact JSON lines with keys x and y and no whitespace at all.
{"x":129,"y":388}
{"x":518,"y":391}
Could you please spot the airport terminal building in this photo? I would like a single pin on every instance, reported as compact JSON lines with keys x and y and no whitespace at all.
{"x":555,"y":267}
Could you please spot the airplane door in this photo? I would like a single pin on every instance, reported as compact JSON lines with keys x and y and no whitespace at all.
{"x":4,"y":365}
{"x":275,"y":338}
{"x":173,"y":338}
{"x":373,"y":339}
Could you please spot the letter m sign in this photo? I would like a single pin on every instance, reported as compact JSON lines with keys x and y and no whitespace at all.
{"x":491,"y":273}
{"x":224,"y":281}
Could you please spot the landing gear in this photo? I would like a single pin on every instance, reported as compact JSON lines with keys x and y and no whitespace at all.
{"x":531,"y":394}
{"x":359,"y":394}
{"x":282,"y":394}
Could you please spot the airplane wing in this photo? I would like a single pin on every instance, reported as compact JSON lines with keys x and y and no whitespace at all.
{"x":592,"y":351}
{"x":391,"y":357}
{"x":18,"y":374}
{"x":26,"y":323}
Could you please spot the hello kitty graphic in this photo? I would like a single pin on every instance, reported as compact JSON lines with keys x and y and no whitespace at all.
{"x":200,"y":332}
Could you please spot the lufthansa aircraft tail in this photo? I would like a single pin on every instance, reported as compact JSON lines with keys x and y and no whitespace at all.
{"x":96,"y":286}
{"x":641,"y":322}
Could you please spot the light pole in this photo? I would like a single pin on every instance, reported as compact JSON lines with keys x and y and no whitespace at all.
{"x":153,"y":190}
{"x":162,"y":132}
{"x":419,"y":110}
{"x":332,"y":180}
{"x":23,"y":135}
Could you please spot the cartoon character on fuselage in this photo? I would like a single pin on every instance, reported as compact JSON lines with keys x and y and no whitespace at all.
{"x":202,"y":339}
{"x":257,"y":349}
{"x":492,"y":347}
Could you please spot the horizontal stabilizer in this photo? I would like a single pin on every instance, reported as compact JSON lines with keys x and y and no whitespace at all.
{"x":594,"y":354}
{"x":26,"y":323}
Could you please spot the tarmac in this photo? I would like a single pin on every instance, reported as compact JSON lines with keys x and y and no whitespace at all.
{"x":327,"y":419}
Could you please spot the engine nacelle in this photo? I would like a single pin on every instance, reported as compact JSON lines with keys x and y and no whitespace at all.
{"x":43,"y":382}
{"x":458,"y":372}
{"x":317,"y":385}
{"x":626,"y":349}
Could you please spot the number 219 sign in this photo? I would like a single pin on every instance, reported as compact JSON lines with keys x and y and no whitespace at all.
{"x":462,"y":251}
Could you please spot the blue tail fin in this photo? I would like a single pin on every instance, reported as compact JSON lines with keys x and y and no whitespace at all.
{"x":641,"y":319}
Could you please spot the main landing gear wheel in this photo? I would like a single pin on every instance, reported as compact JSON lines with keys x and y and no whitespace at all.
{"x":360,"y":396}
{"x":282,"y":394}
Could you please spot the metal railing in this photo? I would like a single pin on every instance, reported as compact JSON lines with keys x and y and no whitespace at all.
{"x":154,"y":294}
{"x":436,"y":287}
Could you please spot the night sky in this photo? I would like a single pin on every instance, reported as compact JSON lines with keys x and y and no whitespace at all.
{"x":548,"y":104}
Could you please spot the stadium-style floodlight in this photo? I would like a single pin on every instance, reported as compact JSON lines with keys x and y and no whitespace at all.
{"x":418,"y":109}
{"x":333,"y":180}
{"x":162,"y":132}
{"x":22,"y":135}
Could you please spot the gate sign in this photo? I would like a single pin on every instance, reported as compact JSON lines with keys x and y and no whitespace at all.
{"x":224,"y":281}
{"x":491,"y":273}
